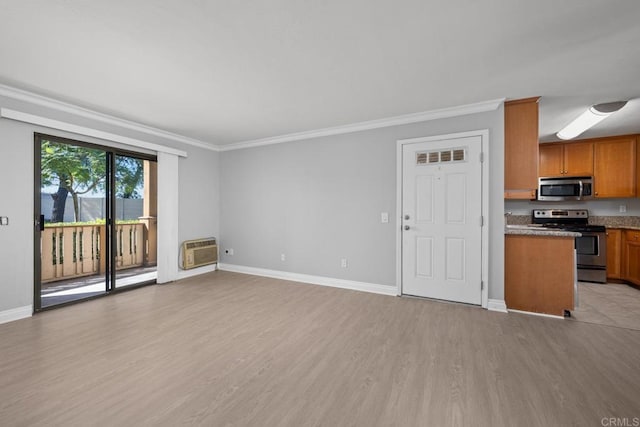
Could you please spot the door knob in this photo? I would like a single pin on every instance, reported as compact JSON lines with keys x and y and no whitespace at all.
{"x":406,"y":227}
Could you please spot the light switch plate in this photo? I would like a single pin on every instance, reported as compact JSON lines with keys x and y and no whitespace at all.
{"x":4,"y":220}
{"x":384,"y":217}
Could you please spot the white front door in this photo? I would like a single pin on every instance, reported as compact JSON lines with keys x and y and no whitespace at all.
{"x":442,"y":219}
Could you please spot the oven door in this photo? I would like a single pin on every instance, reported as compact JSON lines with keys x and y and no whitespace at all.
{"x":591,"y":250}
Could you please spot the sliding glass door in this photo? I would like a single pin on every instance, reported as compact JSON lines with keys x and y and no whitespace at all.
{"x":93,"y":220}
{"x":135,"y":221}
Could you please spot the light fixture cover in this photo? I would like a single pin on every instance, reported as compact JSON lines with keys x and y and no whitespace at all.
{"x":594,"y":115}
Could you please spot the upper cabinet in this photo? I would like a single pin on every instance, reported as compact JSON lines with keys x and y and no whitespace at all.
{"x":521,"y":148}
{"x":566,"y":159}
{"x":611,"y":161}
{"x":614,"y":161}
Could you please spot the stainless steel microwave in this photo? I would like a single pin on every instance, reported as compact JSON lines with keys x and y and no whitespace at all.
{"x":558,"y":189}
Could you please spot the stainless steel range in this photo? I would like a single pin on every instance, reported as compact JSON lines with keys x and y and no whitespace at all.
{"x":591,"y":247}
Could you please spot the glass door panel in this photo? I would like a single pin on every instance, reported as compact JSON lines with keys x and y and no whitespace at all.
{"x":135,"y":221}
{"x":72,"y":232}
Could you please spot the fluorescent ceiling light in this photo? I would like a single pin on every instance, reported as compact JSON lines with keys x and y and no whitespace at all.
{"x":589,"y":118}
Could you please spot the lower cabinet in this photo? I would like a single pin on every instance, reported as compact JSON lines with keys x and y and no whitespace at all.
{"x":631,"y":256}
{"x":542,"y":283}
{"x":614,"y":253}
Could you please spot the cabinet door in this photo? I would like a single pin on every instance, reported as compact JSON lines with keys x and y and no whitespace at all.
{"x":520,"y":147}
{"x":578,"y":159}
{"x":614,"y":253}
{"x":615,"y":167}
{"x":632,"y":256}
{"x":551,"y":160}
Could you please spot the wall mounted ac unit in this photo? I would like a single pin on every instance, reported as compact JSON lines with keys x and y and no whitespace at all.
{"x":196,"y":253}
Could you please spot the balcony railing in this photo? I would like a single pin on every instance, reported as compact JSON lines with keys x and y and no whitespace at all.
{"x":78,"y":250}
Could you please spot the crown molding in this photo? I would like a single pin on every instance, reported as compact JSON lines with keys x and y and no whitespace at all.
{"x":54,"y":104}
{"x":43,"y":101}
{"x":424,"y":116}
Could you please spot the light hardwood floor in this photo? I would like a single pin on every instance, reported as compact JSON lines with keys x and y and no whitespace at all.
{"x":227,"y":349}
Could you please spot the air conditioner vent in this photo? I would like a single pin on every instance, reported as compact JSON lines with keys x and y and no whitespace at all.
{"x":196,"y":253}
{"x":192,"y":244}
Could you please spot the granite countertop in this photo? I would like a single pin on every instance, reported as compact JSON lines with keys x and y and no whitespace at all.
{"x":630,"y":222}
{"x":624,"y":227}
{"x":523,"y":230}
{"x":625,"y":222}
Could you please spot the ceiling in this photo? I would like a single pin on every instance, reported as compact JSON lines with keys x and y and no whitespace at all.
{"x":225,"y":71}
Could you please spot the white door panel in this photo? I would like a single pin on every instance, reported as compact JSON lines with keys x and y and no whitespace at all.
{"x":455,"y":262}
{"x":442,"y":208}
{"x":424,"y":199}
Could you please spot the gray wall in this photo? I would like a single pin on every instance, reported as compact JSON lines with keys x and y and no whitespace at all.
{"x":320,"y":200}
{"x":198,"y":200}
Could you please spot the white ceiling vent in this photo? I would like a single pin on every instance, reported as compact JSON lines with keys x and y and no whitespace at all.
{"x":441,"y":156}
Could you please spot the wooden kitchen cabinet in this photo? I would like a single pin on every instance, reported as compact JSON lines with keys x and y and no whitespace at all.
{"x":521,"y":148}
{"x":578,"y":159}
{"x":566,"y":159}
{"x":614,"y":161}
{"x":614,"y":253}
{"x":631,"y":256}
{"x":551,"y":160}
{"x":542,"y":283}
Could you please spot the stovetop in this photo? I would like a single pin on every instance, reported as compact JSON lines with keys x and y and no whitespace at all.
{"x":565,"y":219}
{"x":581,"y":228}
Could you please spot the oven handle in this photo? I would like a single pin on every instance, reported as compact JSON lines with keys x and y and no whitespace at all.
{"x":581,"y":189}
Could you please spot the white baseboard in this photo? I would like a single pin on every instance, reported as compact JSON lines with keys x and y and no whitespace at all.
{"x":183,"y":274}
{"x":16,"y":314}
{"x":314,"y":280}
{"x":497,"y":305}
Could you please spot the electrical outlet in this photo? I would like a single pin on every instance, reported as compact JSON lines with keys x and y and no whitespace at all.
{"x":4,"y":220}
{"x":623,"y":208}
{"x":283,"y":257}
{"x":343,"y":263}
{"x":384,"y":217}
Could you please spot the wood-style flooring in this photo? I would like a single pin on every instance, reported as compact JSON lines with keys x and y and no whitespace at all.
{"x":226,"y":349}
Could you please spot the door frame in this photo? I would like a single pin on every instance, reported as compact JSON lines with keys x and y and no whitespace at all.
{"x":484,"y":140}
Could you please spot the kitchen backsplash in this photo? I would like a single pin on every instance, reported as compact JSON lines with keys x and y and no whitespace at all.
{"x":601,"y":208}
